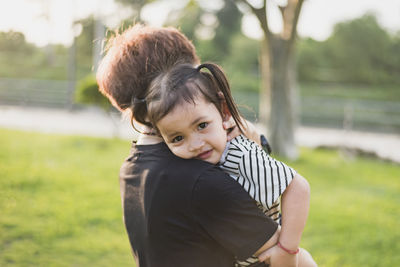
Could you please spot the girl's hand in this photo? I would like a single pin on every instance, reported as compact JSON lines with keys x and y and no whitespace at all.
{"x":275,"y":256}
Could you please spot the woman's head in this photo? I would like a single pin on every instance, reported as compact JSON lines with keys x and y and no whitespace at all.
{"x":187,"y":106}
{"x":134,"y":58}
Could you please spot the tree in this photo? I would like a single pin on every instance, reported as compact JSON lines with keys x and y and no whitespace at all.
{"x":221,"y":28}
{"x":277,"y":99}
{"x":229,"y":24}
{"x":84,"y":46}
{"x":187,"y":19}
{"x":136,"y":6}
{"x":278,"y":70}
{"x":12,"y":41}
{"x":18,"y":58}
{"x":360,"y":48}
{"x":358,"y":51}
{"x":311,"y":61}
{"x":88,"y":93}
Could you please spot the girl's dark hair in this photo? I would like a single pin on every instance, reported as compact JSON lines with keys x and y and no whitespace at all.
{"x":185,"y":83}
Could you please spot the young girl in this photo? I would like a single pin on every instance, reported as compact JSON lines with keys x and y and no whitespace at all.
{"x":188,"y":106}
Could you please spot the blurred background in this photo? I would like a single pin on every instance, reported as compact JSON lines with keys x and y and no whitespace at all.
{"x":344,"y":89}
{"x":345,"y":59}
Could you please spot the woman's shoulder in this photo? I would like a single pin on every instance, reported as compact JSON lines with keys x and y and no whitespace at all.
{"x":158,"y":158}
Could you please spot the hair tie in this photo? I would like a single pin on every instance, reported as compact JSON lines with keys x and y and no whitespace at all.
{"x":199,"y":67}
{"x":138,"y":100}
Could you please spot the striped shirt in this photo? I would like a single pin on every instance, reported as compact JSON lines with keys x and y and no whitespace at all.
{"x":264,"y":178}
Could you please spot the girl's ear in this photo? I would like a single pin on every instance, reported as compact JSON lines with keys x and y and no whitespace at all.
{"x":226,"y":114}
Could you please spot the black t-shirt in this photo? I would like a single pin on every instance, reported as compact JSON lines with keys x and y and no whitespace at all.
{"x":187,"y":212}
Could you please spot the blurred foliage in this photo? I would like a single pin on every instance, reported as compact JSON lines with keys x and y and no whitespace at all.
{"x":136,"y":6}
{"x":210,"y":30}
{"x":15,"y":41}
{"x":229,"y":24}
{"x":19,"y":58}
{"x":242,"y":65}
{"x":221,"y":42}
{"x":358,"y":51}
{"x":187,"y":19}
{"x":84,"y":47}
{"x":87,"y":92}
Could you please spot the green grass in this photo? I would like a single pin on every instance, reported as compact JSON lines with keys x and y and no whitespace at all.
{"x":355,"y":209}
{"x":60,"y":204}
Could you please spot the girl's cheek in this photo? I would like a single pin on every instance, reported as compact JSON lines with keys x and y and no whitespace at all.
{"x":181,"y":152}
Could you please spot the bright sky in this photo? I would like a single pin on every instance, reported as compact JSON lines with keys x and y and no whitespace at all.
{"x":44,"y":21}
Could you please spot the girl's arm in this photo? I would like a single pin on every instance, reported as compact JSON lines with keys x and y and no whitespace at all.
{"x":294,"y":207}
{"x":295,"y":204}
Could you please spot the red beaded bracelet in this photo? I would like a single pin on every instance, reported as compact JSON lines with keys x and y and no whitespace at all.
{"x":292,"y":252}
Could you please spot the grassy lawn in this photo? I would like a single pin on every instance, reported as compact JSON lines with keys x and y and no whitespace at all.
{"x":355,"y":209}
{"x":60,"y":204}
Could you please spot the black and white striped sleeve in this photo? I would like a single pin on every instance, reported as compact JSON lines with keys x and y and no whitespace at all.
{"x":267,"y":178}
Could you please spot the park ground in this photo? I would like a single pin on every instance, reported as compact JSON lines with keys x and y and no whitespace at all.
{"x":60,"y":202}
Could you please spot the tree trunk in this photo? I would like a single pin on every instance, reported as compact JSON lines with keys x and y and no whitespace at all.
{"x":265,"y":91}
{"x":99,"y":33}
{"x":278,"y":95}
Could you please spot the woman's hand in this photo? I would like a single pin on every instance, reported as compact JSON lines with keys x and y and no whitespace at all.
{"x":231,"y":128}
{"x":251,"y":132}
{"x":249,"y":129}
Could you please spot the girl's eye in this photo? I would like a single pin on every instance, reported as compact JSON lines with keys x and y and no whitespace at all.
{"x":177,"y":139}
{"x":203,"y":125}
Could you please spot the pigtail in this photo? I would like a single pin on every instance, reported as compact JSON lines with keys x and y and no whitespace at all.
{"x":138,"y":108}
{"x":222,"y":83}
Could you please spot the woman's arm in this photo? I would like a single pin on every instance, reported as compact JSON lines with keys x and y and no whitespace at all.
{"x":250,"y":131}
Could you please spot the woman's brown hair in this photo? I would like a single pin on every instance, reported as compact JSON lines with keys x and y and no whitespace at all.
{"x":134,"y":58}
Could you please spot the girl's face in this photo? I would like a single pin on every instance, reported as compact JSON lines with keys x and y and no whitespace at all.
{"x":194,"y":131}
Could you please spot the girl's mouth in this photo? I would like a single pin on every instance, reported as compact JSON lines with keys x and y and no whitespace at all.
{"x":205,"y":155}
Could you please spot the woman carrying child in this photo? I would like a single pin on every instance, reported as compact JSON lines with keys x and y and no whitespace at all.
{"x":178,"y":212}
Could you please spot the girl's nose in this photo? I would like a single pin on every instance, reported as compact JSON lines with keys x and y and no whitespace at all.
{"x":196,"y":144}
